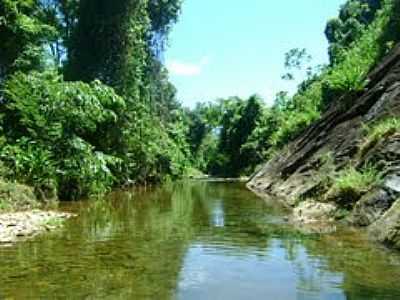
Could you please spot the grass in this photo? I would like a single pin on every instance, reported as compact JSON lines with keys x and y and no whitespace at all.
{"x":379,"y":131}
{"x":350,"y":184}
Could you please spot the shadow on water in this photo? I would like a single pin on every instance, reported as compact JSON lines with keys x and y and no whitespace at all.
{"x":194,"y":240}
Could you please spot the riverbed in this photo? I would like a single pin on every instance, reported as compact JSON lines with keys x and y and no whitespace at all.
{"x":194,"y":240}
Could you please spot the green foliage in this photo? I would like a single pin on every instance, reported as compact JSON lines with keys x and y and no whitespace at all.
{"x":356,"y":61}
{"x":112,"y":42}
{"x":301,"y":111}
{"x":383,"y":128}
{"x":51,"y":129}
{"x":109,"y":44}
{"x":377,"y":131}
{"x":354,"y":17}
{"x":219,"y":132}
{"x":163,"y":14}
{"x":296,"y":59}
{"x":358,"y":180}
{"x":350,"y":183}
{"x":348,"y":75}
{"x":32,"y":164}
{"x":22,"y":33}
{"x":259,"y":144}
{"x":73,"y":138}
{"x":158,"y":152}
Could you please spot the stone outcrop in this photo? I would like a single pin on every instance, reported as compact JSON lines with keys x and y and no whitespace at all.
{"x":299,"y":171}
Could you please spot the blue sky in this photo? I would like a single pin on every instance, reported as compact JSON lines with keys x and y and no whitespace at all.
{"x":222,"y":48}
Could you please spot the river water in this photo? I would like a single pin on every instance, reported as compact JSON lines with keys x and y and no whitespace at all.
{"x":194,"y":240}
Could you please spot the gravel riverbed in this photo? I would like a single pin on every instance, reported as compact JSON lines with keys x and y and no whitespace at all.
{"x":22,"y":225}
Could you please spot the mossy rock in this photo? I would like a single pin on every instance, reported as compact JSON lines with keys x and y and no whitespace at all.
{"x":14,"y":196}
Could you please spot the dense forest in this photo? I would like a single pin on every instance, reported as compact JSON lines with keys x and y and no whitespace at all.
{"x":86,"y":103}
{"x":85,"y":100}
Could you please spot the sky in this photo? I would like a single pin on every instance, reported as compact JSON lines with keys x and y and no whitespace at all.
{"x":222,"y":48}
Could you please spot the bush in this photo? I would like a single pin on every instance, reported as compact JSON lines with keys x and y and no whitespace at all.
{"x":60,"y":135}
{"x":154,"y":152}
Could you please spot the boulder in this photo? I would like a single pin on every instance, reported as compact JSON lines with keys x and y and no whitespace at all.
{"x":387,"y":229}
{"x":371,"y":207}
{"x":311,"y":211}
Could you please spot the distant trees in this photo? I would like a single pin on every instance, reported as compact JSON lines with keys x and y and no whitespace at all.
{"x":218,"y":131}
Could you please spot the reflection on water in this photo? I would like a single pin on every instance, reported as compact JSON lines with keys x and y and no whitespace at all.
{"x":194,"y":240}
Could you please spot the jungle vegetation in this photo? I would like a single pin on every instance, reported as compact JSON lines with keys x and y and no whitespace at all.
{"x":86,"y":104}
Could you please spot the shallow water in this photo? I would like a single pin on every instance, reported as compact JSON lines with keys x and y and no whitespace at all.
{"x":194,"y":240}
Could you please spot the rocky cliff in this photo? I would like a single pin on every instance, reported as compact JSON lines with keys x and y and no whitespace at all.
{"x":297,"y":176}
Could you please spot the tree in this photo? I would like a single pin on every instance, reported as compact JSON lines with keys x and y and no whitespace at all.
{"x":238,"y":121}
{"x":108,"y":44}
{"x":163,"y":14}
{"x":22,"y":33}
{"x":354,"y":17}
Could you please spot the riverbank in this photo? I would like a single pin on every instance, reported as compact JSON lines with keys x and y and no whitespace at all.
{"x":16,"y":226}
{"x":23,"y":215}
{"x":346,"y":165}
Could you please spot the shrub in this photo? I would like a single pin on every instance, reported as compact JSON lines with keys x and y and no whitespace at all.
{"x":29,"y":162}
{"x":350,"y":184}
{"x":60,"y":135}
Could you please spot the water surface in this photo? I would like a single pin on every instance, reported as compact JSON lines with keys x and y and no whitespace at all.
{"x":194,"y":240}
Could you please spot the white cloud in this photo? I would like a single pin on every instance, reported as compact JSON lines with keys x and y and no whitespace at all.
{"x":181,"y":68}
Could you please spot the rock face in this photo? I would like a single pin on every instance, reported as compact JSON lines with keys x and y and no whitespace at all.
{"x":298,"y":172}
{"x":387,"y":229}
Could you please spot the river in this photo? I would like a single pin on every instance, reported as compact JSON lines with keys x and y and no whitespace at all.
{"x":194,"y":240}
